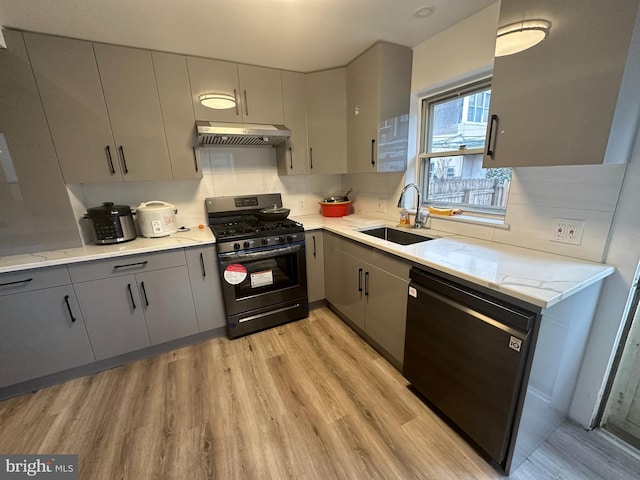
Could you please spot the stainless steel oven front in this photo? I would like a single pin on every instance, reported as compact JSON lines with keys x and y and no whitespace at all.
{"x":264,"y":287}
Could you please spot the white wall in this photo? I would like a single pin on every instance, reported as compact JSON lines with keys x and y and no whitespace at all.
{"x":226,"y":171}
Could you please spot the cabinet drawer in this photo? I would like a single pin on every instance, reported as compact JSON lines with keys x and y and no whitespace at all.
{"x":34,"y":279}
{"x":97,"y":269}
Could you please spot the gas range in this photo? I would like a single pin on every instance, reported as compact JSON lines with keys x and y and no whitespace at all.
{"x":236,"y":226}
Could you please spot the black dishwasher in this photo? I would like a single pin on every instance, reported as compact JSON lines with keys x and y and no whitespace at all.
{"x":465,"y":352}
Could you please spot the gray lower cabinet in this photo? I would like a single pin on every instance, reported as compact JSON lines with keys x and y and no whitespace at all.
{"x":315,"y":265}
{"x":205,"y":286}
{"x":42,"y":330}
{"x":114,"y":317}
{"x":369,"y":288}
{"x":136,"y":301}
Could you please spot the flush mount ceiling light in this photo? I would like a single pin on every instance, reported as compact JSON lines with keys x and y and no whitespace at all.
{"x":218,"y":101}
{"x":424,"y":12}
{"x":519,"y":36}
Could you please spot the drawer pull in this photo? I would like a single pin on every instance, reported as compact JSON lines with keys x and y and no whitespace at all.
{"x":27,"y":280}
{"x":314,"y":246}
{"x":131,"y":265}
{"x":360,"y":280}
{"x":144,"y":294}
{"x":66,"y":300}
{"x":366,"y":284}
{"x":133,"y":303}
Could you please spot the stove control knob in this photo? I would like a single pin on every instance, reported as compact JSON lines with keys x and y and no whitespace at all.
{"x":281,"y":239}
{"x":265,"y":241}
{"x":289,"y":238}
{"x":246,"y":245}
{"x":236,"y":246}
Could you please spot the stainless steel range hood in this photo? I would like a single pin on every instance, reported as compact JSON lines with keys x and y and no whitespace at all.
{"x":240,"y":134}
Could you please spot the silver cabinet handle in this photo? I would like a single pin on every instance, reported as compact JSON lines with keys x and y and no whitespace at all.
{"x":235,"y":99}
{"x":131,"y":265}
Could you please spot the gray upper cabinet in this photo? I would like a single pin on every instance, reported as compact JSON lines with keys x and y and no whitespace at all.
{"x":131,"y":94}
{"x":554,"y":103}
{"x":174,"y":91}
{"x":261,"y":94}
{"x":35,"y":211}
{"x":326,"y":99}
{"x":71,"y":93}
{"x":292,"y":155}
{"x":256,"y":90}
{"x":379,"y":87}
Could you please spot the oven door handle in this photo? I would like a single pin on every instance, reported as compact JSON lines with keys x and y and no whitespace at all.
{"x":235,"y":257}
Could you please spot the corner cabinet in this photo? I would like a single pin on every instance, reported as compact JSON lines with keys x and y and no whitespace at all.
{"x":292,"y":155}
{"x":136,"y":301}
{"x":326,"y":100}
{"x":554,"y":103}
{"x":42,"y":328}
{"x":379,"y":90}
{"x":314,"y":249}
{"x":369,"y":289}
{"x":257,"y":91}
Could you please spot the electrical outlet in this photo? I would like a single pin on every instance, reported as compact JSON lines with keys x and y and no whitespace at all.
{"x":300,"y":204}
{"x":567,"y":230}
{"x":381,"y":204}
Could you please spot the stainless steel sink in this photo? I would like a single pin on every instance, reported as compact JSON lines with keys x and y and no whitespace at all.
{"x":400,"y":237}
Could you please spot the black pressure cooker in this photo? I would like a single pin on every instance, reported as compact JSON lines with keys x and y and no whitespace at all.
{"x":112,"y":223}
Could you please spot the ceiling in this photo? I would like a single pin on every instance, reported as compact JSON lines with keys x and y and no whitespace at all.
{"x":299,"y":35}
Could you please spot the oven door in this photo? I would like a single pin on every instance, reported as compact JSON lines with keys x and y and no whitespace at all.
{"x":261,"y":278}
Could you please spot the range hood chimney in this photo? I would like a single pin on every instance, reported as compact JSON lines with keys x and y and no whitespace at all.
{"x":240,"y":134}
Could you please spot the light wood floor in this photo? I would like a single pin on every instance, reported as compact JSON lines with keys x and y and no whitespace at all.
{"x":308,"y":400}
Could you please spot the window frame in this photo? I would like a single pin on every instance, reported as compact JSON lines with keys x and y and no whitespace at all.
{"x":424,"y":157}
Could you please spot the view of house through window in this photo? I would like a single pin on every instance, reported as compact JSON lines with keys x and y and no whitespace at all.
{"x":453,"y":136}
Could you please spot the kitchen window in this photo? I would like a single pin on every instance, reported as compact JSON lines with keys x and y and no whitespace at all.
{"x":454,"y":126}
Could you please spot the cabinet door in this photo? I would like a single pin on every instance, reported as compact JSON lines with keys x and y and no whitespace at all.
{"x":315,"y":265}
{"x":292,"y":154}
{"x":205,"y":286}
{"x":177,"y":113}
{"x":167,"y":303}
{"x":34,"y":203}
{"x":214,"y":76}
{"x":261,"y":90}
{"x":326,"y":94}
{"x":113,"y":314}
{"x":42,"y":333}
{"x":345,"y":276}
{"x":386,"y":309}
{"x":130,"y":90}
{"x":555,"y":101}
{"x":362,"y":114}
{"x":71,"y":93}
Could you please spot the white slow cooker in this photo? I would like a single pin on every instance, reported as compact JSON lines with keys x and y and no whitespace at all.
{"x":156,"y":218}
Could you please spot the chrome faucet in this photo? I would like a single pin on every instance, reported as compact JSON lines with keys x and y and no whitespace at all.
{"x":419,"y":221}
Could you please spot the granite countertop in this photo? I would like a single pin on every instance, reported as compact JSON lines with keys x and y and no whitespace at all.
{"x":542,"y":279}
{"x":195,"y":236}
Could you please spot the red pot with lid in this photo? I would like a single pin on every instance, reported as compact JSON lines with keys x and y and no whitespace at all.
{"x":335,"y":209}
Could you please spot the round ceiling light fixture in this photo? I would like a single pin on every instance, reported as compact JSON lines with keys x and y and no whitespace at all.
{"x":217,"y":101}
{"x":519,"y":36}
{"x":424,"y":12}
